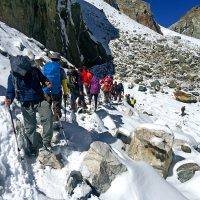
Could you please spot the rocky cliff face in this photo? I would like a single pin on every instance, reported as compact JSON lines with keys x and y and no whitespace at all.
{"x":137,"y":10}
{"x":189,"y":24}
{"x":56,"y":24}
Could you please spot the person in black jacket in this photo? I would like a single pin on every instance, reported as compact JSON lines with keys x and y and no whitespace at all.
{"x":76,"y":89}
{"x":27,"y":88}
{"x":119,"y":90}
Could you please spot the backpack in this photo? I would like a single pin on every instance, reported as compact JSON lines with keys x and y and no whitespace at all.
{"x":73,"y":80}
{"x":20,"y":65}
{"x":107,"y":85}
{"x":52,"y":71}
{"x":95,"y":86}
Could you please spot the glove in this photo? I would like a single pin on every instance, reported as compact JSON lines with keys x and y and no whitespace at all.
{"x":7,"y":101}
{"x":48,"y":84}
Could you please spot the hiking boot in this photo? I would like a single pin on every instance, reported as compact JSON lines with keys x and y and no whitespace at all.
{"x":46,"y":147}
{"x":32,"y":152}
{"x":56,"y":125}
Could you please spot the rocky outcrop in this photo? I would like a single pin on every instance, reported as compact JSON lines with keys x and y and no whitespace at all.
{"x":165,"y":59}
{"x":56,"y":24}
{"x":185,"y":97}
{"x":137,"y":10}
{"x":153,"y":143}
{"x":102,"y":165}
{"x":189,"y":24}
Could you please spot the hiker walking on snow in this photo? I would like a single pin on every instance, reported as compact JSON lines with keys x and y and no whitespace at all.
{"x":86,"y":76}
{"x":94,"y":90}
{"x":107,"y":84}
{"x":113,"y":92}
{"x":56,"y":75}
{"x":75,"y":83}
{"x":119,"y":90}
{"x":25,"y":83}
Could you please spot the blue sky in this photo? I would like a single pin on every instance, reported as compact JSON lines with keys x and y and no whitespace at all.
{"x":167,"y":12}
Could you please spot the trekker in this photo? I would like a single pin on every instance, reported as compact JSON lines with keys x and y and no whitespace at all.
{"x":119,"y":90}
{"x":86,"y":76}
{"x":25,"y":83}
{"x":76,"y":89}
{"x":107,"y":84}
{"x":56,"y":75}
{"x":133,"y":101}
{"x":94,"y":90}
{"x":113,"y":92}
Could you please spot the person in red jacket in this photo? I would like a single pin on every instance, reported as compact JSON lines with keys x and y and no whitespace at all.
{"x":107,"y":84}
{"x":87,"y":77}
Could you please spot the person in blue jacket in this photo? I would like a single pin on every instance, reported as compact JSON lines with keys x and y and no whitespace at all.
{"x":27,"y":88}
{"x":56,"y":75}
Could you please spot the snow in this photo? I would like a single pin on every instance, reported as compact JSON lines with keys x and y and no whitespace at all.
{"x":159,"y":111}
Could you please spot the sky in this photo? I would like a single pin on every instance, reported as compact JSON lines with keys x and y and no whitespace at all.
{"x":167,"y":12}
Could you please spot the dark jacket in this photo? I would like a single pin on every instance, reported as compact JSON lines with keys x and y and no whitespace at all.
{"x":75,"y":82}
{"x":27,"y":88}
{"x":120,"y":88}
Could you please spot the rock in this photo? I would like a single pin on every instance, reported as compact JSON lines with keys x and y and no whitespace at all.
{"x":185,"y":97}
{"x":130,"y":86}
{"x":196,"y":93}
{"x":124,"y":135}
{"x":153,"y":143}
{"x":102,"y":165}
{"x":156,"y":85}
{"x":186,"y":171}
{"x":137,"y":10}
{"x":3,"y":52}
{"x":52,"y":160}
{"x":138,"y":80}
{"x":189,"y":23}
{"x":142,"y":88}
{"x":73,"y":180}
{"x":185,"y":149}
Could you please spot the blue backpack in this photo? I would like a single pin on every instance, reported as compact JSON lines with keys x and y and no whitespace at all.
{"x":52,"y":71}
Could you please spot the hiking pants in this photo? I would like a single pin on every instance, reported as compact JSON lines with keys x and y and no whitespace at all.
{"x":81,"y":100}
{"x":106,"y":96}
{"x":57,"y":105}
{"x":95,"y":99}
{"x":29,"y":110}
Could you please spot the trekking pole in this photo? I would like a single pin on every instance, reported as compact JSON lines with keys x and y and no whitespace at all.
{"x":65,"y":105}
{"x":15,"y":133}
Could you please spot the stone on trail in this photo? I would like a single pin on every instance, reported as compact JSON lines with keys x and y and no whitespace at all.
{"x":47,"y":158}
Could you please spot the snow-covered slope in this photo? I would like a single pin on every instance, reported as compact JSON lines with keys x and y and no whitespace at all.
{"x":12,"y":42}
{"x":137,"y":51}
{"x":140,"y":182}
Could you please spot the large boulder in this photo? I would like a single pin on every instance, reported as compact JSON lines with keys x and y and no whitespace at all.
{"x":189,"y":24}
{"x":57,"y":25}
{"x":102,"y":165}
{"x":185,"y":97}
{"x":153,"y":143}
{"x":138,"y":10}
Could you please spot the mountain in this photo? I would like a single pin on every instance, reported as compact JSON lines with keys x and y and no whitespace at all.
{"x":189,"y":24}
{"x":56,"y":24}
{"x":140,"y":54}
{"x":138,"y":10}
